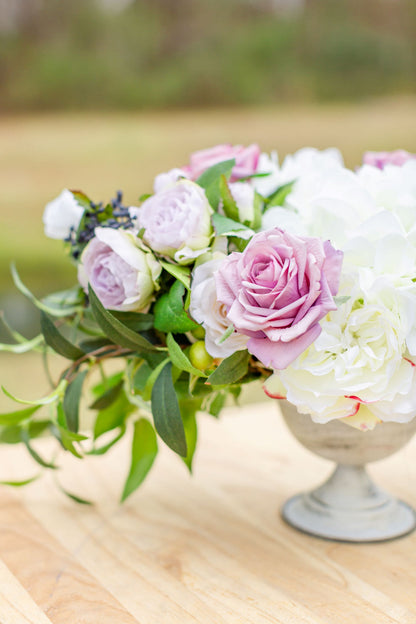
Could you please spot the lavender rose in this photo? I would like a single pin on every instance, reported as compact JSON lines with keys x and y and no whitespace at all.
{"x":277,"y":290}
{"x":121,"y":273}
{"x":246,"y":160}
{"x":381,"y":159}
{"x":177,"y":221}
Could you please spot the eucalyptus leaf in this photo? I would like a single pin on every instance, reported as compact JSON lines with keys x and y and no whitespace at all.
{"x":113,"y":416}
{"x":143,"y":452}
{"x":179,"y":359}
{"x":20,"y":483}
{"x":71,"y":401}
{"x":191,"y":431}
{"x":55,"y":395}
{"x":115,"y":330}
{"x":166,"y":413}
{"x":106,"y":447}
{"x":25,"y":438}
{"x":108,"y":397}
{"x":14,"y":418}
{"x":57,"y":341}
{"x":136,"y":321}
{"x":231,"y":369}
{"x":53,"y":311}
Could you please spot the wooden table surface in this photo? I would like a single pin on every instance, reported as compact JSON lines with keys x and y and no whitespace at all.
{"x":210,"y":549}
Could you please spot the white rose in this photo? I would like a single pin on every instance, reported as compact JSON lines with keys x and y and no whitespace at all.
{"x":61,"y":215}
{"x":208,"y":311}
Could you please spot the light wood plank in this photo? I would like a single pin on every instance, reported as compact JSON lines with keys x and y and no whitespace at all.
{"x":208,"y":549}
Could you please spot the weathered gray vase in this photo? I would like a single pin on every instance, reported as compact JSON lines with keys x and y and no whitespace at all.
{"x":349,"y":506}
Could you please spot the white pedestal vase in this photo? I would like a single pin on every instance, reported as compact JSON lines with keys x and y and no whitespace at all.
{"x":349,"y":506}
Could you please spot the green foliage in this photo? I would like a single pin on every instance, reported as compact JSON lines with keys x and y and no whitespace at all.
{"x":166,"y":412}
{"x":169,"y":312}
{"x":115,"y":330}
{"x":231,"y":369}
{"x":143,"y":453}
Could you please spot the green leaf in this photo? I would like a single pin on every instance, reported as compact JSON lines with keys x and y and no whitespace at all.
{"x":103,"y":449}
{"x":191,"y":431}
{"x":113,"y":416}
{"x":88,"y":346}
{"x":147,"y":392}
{"x":179,"y":359}
{"x":25,"y":437}
{"x":71,"y":401}
{"x":278,"y":197}
{"x":55,"y":395}
{"x":217,"y":403}
{"x":13,"y":434}
{"x":181,"y":273}
{"x":228,"y":227}
{"x":258,"y":210}
{"x":231,"y":369}
{"x":140,"y":377}
{"x":56,"y":341}
{"x":136,"y":321}
{"x":210,"y":180}
{"x":228,"y":201}
{"x":22,"y":347}
{"x":145,"y":196}
{"x":226,"y":334}
{"x":74,"y":497}
{"x":170,"y":315}
{"x":143,"y":453}
{"x":14,"y":418}
{"x":71,"y":300}
{"x":53,"y":311}
{"x":20,"y":483}
{"x":108,"y":397}
{"x":166,"y":413}
{"x":115,"y":330}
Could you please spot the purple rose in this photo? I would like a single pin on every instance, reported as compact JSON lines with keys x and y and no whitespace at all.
{"x":381,"y":159}
{"x":177,"y":221}
{"x":276,"y":292}
{"x":246,"y":160}
{"x":122,"y":274}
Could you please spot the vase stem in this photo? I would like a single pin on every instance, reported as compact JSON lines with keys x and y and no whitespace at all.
{"x":350,"y":507}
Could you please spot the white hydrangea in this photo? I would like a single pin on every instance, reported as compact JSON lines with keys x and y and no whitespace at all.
{"x":360,"y":359}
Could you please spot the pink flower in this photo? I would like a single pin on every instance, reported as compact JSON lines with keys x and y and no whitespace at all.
{"x":246,"y":160}
{"x":381,"y":159}
{"x":276,"y":292}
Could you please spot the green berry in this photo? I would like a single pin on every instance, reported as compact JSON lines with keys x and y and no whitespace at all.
{"x":198,"y":333}
{"x":199,"y":356}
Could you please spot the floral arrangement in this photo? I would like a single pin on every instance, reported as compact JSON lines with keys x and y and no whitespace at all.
{"x":300,"y":275}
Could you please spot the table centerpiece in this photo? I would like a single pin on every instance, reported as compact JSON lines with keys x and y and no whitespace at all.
{"x":300,"y":275}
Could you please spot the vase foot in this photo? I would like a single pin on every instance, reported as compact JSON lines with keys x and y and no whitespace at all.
{"x":350,"y":507}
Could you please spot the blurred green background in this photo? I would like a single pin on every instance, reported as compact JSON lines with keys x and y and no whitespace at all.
{"x":104,"y":94}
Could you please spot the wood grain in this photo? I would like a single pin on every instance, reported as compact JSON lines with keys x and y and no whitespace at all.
{"x":211,"y":549}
